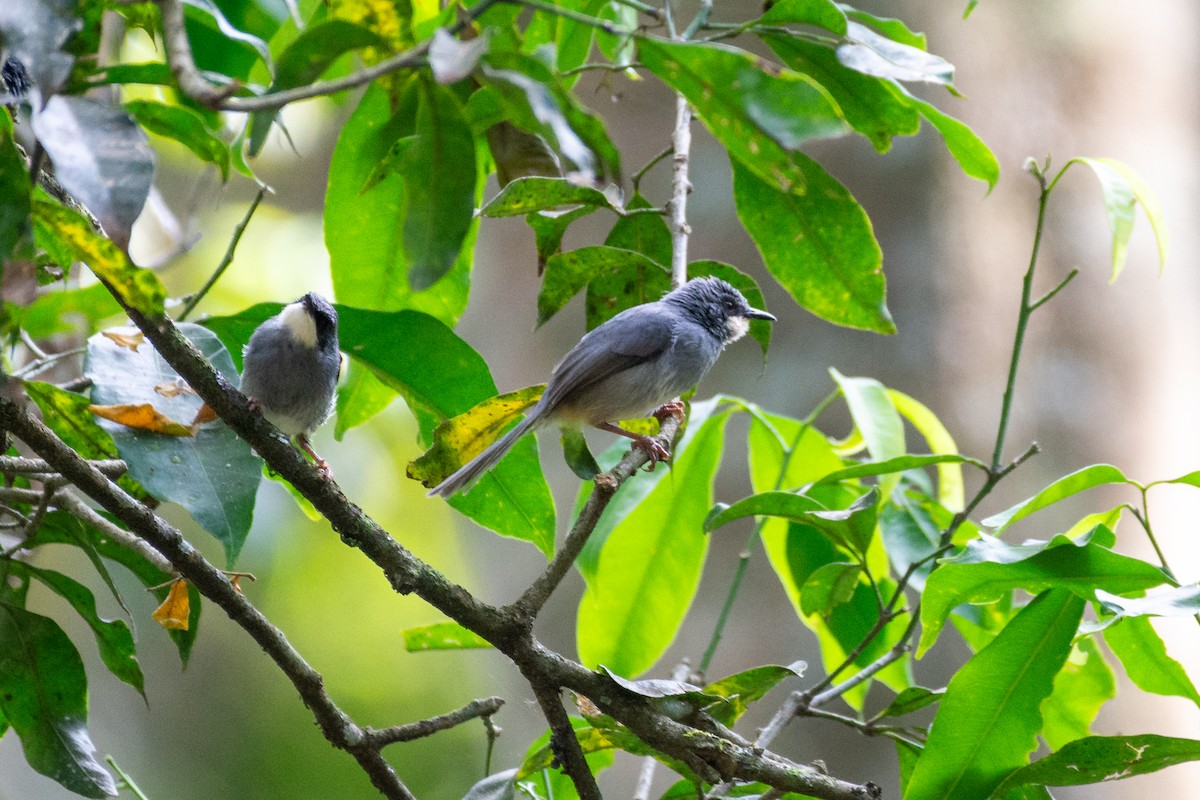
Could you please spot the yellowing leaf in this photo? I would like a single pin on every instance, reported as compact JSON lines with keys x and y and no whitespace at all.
{"x":171,"y":388}
{"x":173,"y":613}
{"x":459,"y":439}
{"x":129,"y":340}
{"x":205,"y":414}
{"x":143,"y":416}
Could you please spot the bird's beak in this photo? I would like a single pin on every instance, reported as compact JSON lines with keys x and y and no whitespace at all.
{"x":754,"y":313}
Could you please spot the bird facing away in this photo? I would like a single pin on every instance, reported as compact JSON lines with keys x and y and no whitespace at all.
{"x":290,"y":369}
{"x":633,"y":363}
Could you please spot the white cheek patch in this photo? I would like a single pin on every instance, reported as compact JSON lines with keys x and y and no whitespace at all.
{"x":737,"y":328}
{"x":300,"y":323}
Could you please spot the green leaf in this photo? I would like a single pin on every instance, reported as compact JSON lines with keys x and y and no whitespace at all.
{"x":867,"y":52}
{"x":785,"y":505}
{"x":363,"y":229}
{"x":184,"y":126}
{"x":645,"y":233}
{"x":891,"y":466}
{"x":360,"y":397}
{"x":1098,"y":759}
{"x":950,"y":478}
{"x":1182,"y":601}
{"x":459,"y":439}
{"x":1083,"y":686}
{"x":892,"y":28}
{"x":876,"y":418}
{"x":761,"y":114}
{"x":43,"y":696}
{"x":869,"y":104}
{"x":746,"y":687}
{"x":829,"y":586}
{"x":578,"y":457}
{"x":974,"y":157}
{"x":549,"y":227}
{"x":58,"y":309}
{"x":822,"y":13}
{"x":555,"y":783}
{"x":60,"y":527}
{"x":209,"y":9}
{"x":1144,"y":655}
{"x":15,"y":188}
{"x":650,"y":565}
{"x":819,"y":245}
{"x":914,"y":698}
{"x":138,"y":287}
{"x":1123,"y":189}
{"x":213,"y":475}
{"x":988,"y":721}
{"x":616,"y":280}
{"x":113,"y":637}
{"x":979,"y":576}
{"x":1081,"y":480}
{"x":439,"y":169}
{"x":306,"y":59}
{"x":851,"y":528}
{"x":526,"y":195}
{"x":442,"y":636}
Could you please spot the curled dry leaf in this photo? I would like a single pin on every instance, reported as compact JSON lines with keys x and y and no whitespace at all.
{"x":173,"y":389}
{"x":129,"y":340}
{"x":173,"y":613}
{"x":144,"y":417}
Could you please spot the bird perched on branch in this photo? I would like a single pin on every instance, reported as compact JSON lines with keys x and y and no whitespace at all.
{"x":636,"y":361}
{"x":290,"y":369}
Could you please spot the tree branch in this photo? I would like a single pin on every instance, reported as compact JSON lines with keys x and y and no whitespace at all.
{"x":427,"y":727}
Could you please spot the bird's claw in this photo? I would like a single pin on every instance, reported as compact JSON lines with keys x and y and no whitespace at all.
{"x":654,"y":451}
{"x":674,"y":408}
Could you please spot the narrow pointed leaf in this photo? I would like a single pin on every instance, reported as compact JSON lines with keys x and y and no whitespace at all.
{"x":1147,"y":663}
{"x":1098,"y":759}
{"x":1123,"y":190}
{"x":1082,"y":480}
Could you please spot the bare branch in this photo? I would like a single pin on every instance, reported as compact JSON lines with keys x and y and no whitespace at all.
{"x":427,"y":727}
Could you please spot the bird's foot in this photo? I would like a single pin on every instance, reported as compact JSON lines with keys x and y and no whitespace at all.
{"x":654,"y":451}
{"x":674,"y":408}
{"x":255,"y":404}
{"x":321,"y":464}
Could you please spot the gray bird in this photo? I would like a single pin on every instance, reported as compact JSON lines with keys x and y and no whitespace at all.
{"x":633,"y":363}
{"x":290,"y":369}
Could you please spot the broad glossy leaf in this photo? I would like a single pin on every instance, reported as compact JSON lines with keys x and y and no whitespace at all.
{"x":113,"y":637}
{"x":101,"y":156}
{"x":362,"y":228}
{"x":213,"y":475}
{"x":549,"y":227}
{"x":525,"y":195}
{"x":1144,"y":656}
{"x":460,"y":438}
{"x":914,"y":698}
{"x":785,"y":505}
{"x":892,"y":28}
{"x":853,"y":527}
{"x":822,"y":13}
{"x":1123,"y":189}
{"x":1081,"y":566}
{"x":209,"y":9}
{"x":746,"y":687}
{"x":818,"y":245}
{"x":1081,"y":480}
{"x":1098,"y":759}
{"x":616,"y":279}
{"x":1081,"y":688}
{"x":360,"y":397}
{"x":1181,"y":601}
{"x":869,"y":104}
{"x":43,"y":696}
{"x":974,"y":157}
{"x":988,"y":721}
{"x":876,"y":418}
{"x":15,"y":188}
{"x":761,"y":114}
{"x":439,"y":168}
{"x":60,"y":527}
{"x":660,"y":689}
{"x":867,"y":52}
{"x":442,"y":636}
{"x":304,"y":60}
{"x":650,"y":565}
{"x":184,"y":126}
{"x":138,"y":287}
{"x":829,"y":586}
{"x":577,"y":454}
{"x":950,"y":478}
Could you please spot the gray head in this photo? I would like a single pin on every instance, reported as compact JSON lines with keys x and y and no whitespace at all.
{"x":312,"y":321}
{"x":714,"y":304}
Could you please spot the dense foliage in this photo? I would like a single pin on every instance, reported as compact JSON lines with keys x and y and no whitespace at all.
{"x":872,"y":537}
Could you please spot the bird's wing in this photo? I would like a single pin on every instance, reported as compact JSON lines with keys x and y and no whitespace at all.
{"x":633,"y":337}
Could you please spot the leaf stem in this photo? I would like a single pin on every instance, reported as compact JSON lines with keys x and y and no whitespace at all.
{"x":227,"y":259}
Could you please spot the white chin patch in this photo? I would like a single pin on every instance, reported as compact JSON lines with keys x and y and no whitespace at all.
{"x":300,"y":323}
{"x":737,"y":328}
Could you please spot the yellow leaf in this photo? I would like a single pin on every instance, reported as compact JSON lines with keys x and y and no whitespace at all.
{"x":205,"y":414}
{"x":459,"y":439}
{"x":129,"y":340}
{"x":143,"y":416}
{"x":173,"y":613}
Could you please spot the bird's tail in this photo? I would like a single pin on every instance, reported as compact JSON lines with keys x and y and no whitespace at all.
{"x":468,"y":473}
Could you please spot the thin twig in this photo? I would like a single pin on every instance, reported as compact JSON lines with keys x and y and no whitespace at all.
{"x":227,"y":259}
{"x":20,"y":465}
{"x":42,"y":363}
{"x":427,"y":727}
